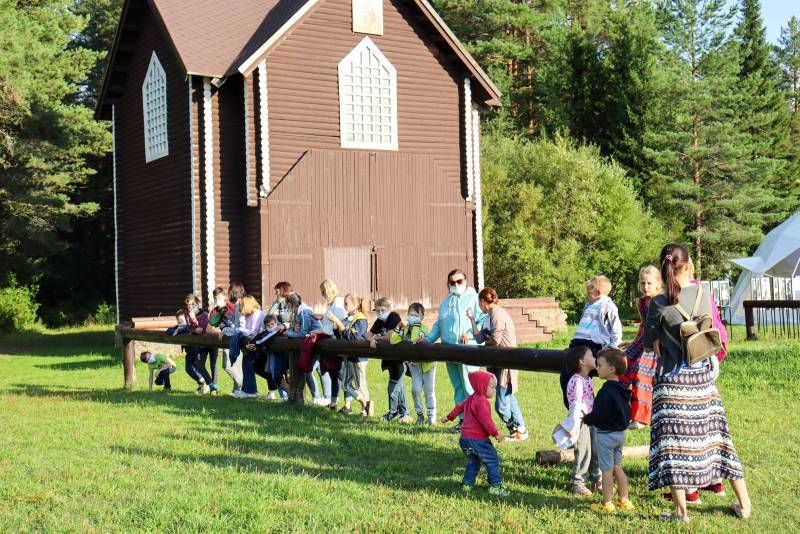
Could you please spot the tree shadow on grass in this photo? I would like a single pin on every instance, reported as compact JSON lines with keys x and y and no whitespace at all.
{"x":97,"y":342}
{"x":308,"y":441}
{"x":85,"y":365}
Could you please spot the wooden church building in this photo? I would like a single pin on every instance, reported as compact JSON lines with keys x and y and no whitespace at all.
{"x":269,"y":140}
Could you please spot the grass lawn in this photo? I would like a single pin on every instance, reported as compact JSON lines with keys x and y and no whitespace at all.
{"x":79,"y":454}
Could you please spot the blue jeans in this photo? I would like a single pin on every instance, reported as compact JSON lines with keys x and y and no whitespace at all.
{"x":278,"y":367}
{"x":195,"y":365}
{"x":324,"y":379}
{"x":506,"y":406}
{"x":480,"y":451}
{"x":398,"y":402}
{"x":249,"y":373}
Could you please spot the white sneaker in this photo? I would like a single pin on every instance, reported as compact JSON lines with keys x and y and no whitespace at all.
{"x":205,"y":389}
{"x":249,"y":395}
{"x":270,"y":396}
{"x":239,"y":394}
{"x":519,"y":435}
{"x":321,"y":401}
{"x":635,"y":425}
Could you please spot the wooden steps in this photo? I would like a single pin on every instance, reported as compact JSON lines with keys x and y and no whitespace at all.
{"x":535,"y":319}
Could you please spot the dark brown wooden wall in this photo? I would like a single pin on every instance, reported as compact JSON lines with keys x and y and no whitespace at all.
{"x":304,"y":114}
{"x":153,"y":199}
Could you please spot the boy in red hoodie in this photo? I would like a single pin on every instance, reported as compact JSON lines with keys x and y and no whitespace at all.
{"x":475,"y":432}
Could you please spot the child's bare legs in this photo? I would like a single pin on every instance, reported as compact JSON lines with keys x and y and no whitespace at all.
{"x":608,"y":485}
{"x":622,"y":484}
{"x":740,"y":489}
{"x":679,"y":499}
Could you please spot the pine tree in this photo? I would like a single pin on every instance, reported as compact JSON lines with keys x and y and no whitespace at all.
{"x":708,"y":175}
{"x":788,"y":53}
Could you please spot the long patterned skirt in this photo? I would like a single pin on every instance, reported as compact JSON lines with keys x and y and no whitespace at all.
{"x":639,"y":376}
{"x":690,"y":444}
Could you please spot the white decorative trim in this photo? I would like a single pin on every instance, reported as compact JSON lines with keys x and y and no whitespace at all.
{"x":263,"y":124}
{"x":154,"y":111}
{"x":247,"y":167}
{"x":208,"y":161}
{"x":192,"y":174}
{"x":468,"y":133}
{"x":353,"y":104}
{"x":114,"y":191}
{"x":476,"y":161}
{"x":250,"y":61}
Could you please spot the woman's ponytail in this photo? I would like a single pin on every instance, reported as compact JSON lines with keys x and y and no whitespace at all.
{"x":673,"y":258}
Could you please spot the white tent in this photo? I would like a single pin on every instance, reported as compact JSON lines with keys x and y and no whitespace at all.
{"x":778,"y":255}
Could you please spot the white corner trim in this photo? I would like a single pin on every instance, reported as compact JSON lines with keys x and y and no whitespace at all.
{"x":247,"y":166}
{"x":263,"y":124}
{"x":248,"y":63}
{"x":476,"y":161}
{"x":114,"y":192}
{"x":468,"y":144}
{"x":192,"y":174}
{"x":208,"y":167}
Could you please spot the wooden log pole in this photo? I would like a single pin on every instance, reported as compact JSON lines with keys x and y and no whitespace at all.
{"x":750,"y":324}
{"x":297,"y":381}
{"x":129,"y":362}
{"x":566,"y":456}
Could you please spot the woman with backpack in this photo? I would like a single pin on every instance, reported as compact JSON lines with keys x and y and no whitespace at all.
{"x":690,"y":444}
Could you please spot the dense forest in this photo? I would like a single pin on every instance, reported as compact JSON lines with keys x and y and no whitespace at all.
{"x":624,"y":124}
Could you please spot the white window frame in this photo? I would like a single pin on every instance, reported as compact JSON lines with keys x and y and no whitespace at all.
{"x":344,"y":70}
{"x":155,"y":75}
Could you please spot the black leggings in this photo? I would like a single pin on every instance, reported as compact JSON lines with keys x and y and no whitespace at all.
{"x":261,"y":369}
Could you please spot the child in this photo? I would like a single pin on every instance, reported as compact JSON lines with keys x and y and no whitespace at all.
{"x":611,"y":415}
{"x":253,"y":323}
{"x":257,"y":345}
{"x":195,"y":365}
{"x":302,"y":323}
{"x":161,"y":367}
{"x":381,"y":329}
{"x":475,"y":431}
{"x":233,"y":319}
{"x":580,"y":398}
{"x":498,"y":330}
{"x":599,"y":326}
{"x":641,"y":364}
{"x":354,"y":327}
{"x":423,"y":374}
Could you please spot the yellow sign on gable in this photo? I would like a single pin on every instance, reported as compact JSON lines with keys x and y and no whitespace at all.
{"x":368,"y":16}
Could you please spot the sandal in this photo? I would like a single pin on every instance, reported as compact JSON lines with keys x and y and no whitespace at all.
{"x":740,"y":512}
{"x":345,"y":410}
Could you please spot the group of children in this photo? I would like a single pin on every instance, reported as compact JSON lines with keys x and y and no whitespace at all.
{"x":594,"y":427}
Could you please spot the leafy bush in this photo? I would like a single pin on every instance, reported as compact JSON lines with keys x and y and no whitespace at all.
{"x":105,"y":314}
{"x":555,"y":214}
{"x":18,"y":307}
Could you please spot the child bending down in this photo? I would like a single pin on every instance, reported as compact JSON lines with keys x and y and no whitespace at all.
{"x":611,"y":415}
{"x":160,"y":367}
{"x":475,"y":431}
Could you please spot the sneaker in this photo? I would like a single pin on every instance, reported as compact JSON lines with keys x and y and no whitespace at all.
{"x":406,"y":420}
{"x":467,"y":488}
{"x":204,"y":389}
{"x":432,"y":420}
{"x":420,"y":419}
{"x":346,"y":410}
{"x":250,"y":395}
{"x":518,"y":435}
{"x":320,"y":401}
{"x":499,"y":491}
{"x":198,"y":390}
{"x":271,"y":396}
{"x":238,"y":394}
{"x":717,"y":489}
{"x":387,"y":417}
{"x":214,"y":389}
{"x":624,"y":505}
{"x":582,"y":490}
{"x":604,"y":508}
{"x":673,"y":518}
{"x":691,"y":498}
{"x":635,"y":425}
{"x":332,"y":406}
{"x":597,"y":486}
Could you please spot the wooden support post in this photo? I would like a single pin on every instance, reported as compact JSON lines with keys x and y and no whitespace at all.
{"x":297,"y":381}
{"x":129,"y":362}
{"x":750,"y":324}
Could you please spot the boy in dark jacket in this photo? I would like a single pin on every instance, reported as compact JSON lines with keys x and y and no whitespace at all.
{"x":611,"y":415}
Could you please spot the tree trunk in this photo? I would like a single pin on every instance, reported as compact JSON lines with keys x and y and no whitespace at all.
{"x":698,"y":213}
{"x":129,"y":362}
{"x":297,"y":381}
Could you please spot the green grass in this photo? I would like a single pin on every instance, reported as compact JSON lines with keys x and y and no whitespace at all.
{"x":78,"y":453}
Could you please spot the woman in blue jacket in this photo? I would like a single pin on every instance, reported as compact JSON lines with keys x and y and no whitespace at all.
{"x":454,"y":326}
